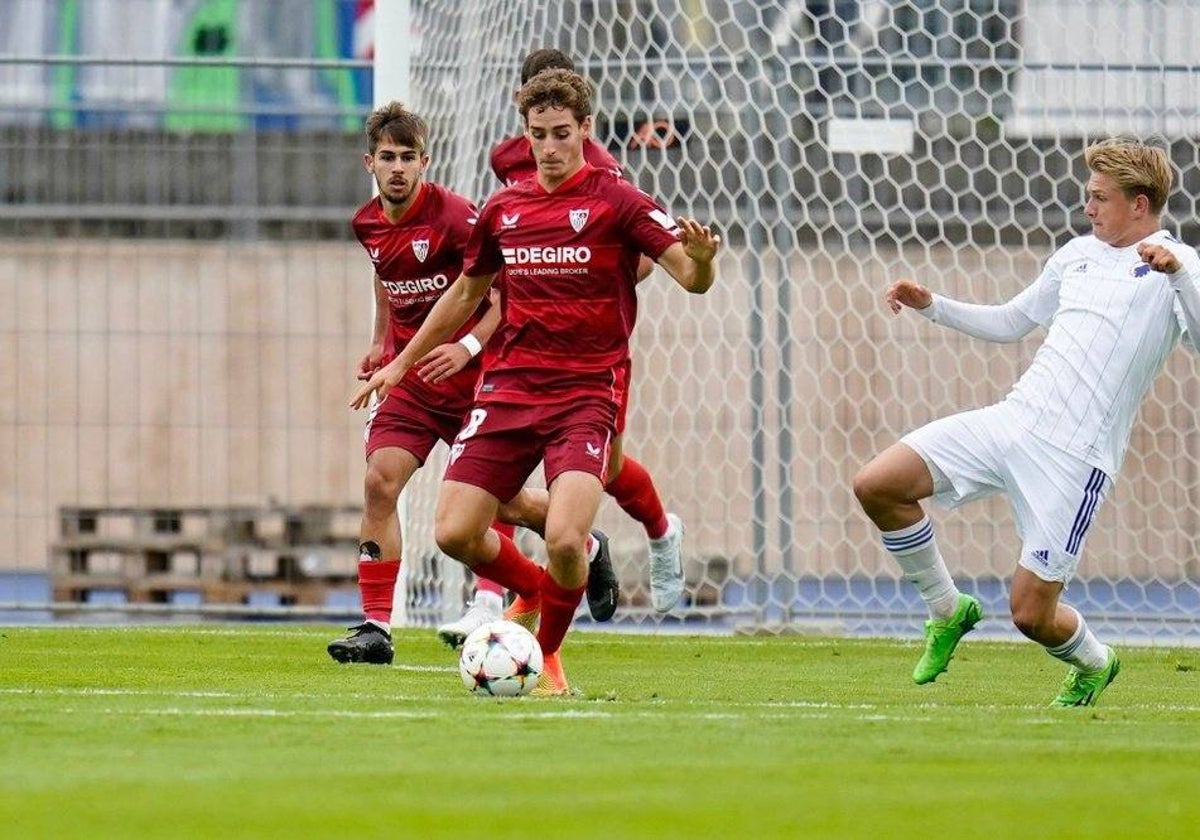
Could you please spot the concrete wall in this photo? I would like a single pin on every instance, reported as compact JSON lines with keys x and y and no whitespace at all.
{"x":206,"y":374}
{"x":161,"y":374}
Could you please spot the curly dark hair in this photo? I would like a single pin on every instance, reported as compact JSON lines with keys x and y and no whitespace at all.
{"x":545,"y":59}
{"x":556,"y":89}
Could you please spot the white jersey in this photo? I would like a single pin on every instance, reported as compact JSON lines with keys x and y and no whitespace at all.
{"x":1112,"y":321}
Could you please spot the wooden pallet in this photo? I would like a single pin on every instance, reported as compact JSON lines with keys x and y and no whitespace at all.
{"x":82,"y":589}
{"x":224,"y":555}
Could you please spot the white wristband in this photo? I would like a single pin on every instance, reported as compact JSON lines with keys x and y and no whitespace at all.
{"x":471,"y":343}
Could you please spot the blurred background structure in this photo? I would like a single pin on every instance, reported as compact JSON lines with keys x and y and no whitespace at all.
{"x":182,"y":302}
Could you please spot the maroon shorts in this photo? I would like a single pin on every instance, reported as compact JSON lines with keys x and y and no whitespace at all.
{"x":410,"y":423}
{"x":502,"y":443}
{"x":623,"y":396}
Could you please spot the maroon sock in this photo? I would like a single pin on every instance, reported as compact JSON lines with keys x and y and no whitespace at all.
{"x":634,"y":491}
{"x":512,"y":570}
{"x":558,"y":608}
{"x":377,"y":586}
{"x":483,"y":584}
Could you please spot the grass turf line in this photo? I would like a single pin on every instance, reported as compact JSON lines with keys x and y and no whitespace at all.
{"x":252,"y":731}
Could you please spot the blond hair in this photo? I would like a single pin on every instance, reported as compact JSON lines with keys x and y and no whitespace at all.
{"x":1136,"y":167}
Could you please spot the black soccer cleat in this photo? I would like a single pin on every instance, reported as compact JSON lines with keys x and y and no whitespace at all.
{"x":603,"y":590}
{"x":368,"y":643}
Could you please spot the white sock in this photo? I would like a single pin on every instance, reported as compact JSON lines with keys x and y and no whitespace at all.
{"x":917,"y":554}
{"x":491,"y":600}
{"x":665,"y":539}
{"x":1083,"y":649}
{"x":382,"y":625}
{"x":593,"y":548}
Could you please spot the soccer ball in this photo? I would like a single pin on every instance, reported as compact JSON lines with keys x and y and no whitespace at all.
{"x":500,"y":659}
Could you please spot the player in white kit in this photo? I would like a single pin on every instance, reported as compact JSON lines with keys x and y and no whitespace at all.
{"x":1114,"y":304}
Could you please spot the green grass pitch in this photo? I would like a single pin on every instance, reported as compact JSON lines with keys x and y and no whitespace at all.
{"x":252,"y":731}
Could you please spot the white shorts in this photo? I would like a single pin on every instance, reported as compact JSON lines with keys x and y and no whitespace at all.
{"x":1054,"y":495}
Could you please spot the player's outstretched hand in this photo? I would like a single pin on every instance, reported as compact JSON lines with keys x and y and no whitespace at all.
{"x":381,"y":382}
{"x":698,"y":241}
{"x":1159,"y":258}
{"x":908,"y":293}
{"x":369,"y":363}
{"x":443,"y":361}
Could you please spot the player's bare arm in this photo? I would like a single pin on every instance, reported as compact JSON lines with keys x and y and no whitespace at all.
{"x":645,"y":267}
{"x":448,"y":359}
{"x":908,"y":293}
{"x":369,"y":363}
{"x":447,"y":315}
{"x":690,"y":261}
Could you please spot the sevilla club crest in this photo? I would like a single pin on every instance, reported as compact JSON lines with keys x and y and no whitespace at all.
{"x":578,"y":219}
{"x":420,"y":249}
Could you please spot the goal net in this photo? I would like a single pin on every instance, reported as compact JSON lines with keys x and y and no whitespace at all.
{"x":838,"y":146}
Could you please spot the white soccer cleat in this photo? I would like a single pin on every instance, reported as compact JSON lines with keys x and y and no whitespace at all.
{"x":666,"y":566}
{"x":479,"y":612}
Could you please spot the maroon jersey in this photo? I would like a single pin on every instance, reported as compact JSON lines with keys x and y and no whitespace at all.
{"x":416,"y":260}
{"x":569,"y":260}
{"x":512,"y":159}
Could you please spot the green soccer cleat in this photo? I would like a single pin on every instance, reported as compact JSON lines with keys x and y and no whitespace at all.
{"x":942,"y":637}
{"x":1080,"y":689}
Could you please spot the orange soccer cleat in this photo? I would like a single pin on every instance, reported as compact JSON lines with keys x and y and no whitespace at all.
{"x":552,"y":682}
{"x":524,"y":612}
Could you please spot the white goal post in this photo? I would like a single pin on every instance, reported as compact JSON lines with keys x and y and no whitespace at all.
{"x":837,"y":146}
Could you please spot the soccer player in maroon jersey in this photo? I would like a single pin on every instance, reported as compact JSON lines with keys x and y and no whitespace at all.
{"x":629,"y":482}
{"x":568,"y":242}
{"x":512,"y":159}
{"x":415,"y":233}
